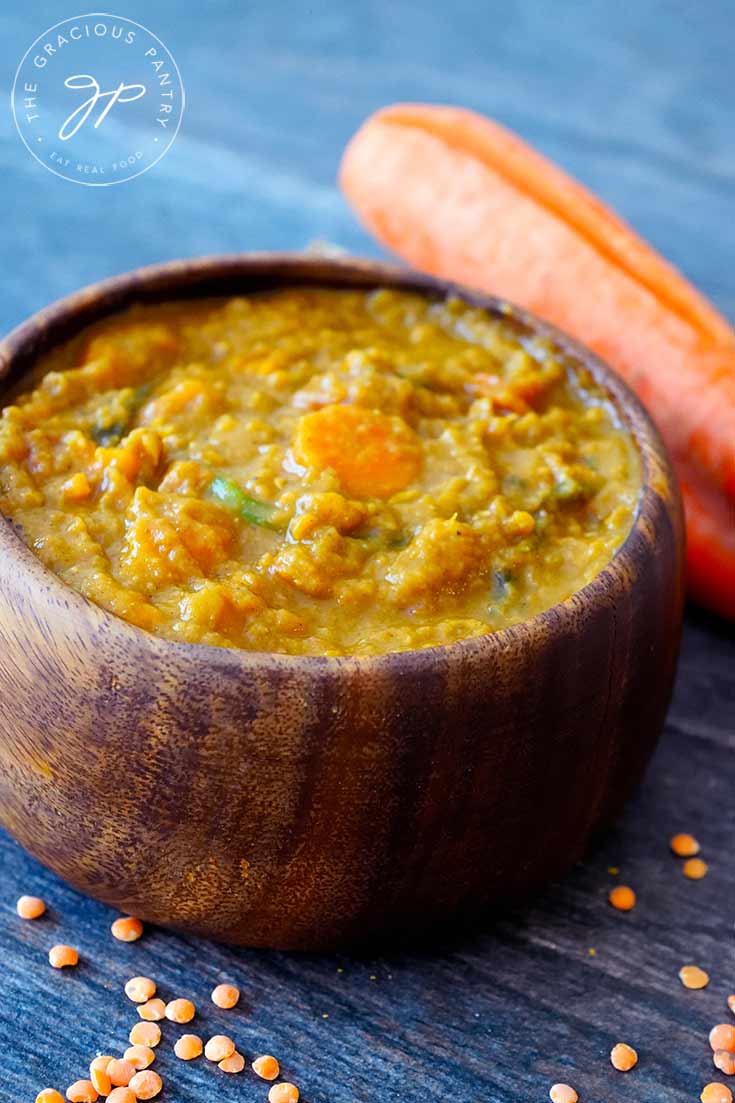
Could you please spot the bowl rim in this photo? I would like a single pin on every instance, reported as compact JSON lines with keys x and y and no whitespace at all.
{"x":179,"y":279}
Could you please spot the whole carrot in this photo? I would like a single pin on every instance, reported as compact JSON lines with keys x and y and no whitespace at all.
{"x":461,"y":197}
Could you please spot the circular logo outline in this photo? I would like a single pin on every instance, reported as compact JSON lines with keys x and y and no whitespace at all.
{"x":97,"y":183}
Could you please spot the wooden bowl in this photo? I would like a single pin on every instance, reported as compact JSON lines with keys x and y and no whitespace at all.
{"x":314,"y":802}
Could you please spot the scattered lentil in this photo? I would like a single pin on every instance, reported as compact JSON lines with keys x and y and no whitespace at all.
{"x":731,"y":1003}
{"x":146,"y":1085}
{"x":121,"y":1095}
{"x":716,"y":1093}
{"x":563,"y":1093}
{"x":283,"y":1093}
{"x":61,"y":957}
{"x":82,"y":1091}
{"x":622,"y":897}
{"x":180,"y":1011}
{"x":145,"y":1034}
{"x":722,"y":1036}
{"x":120,"y":1072}
{"x":98,"y":1074}
{"x":49,"y":1095}
{"x":152,"y":1011}
{"x":266,"y":1067}
{"x":140,"y":989}
{"x":724,"y":1060}
{"x":30,"y":907}
{"x":691,"y":976}
{"x":623,"y":1057}
{"x":684,"y":846}
{"x":140,"y":1057}
{"x":188,"y":1046}
{"x":225,"y":996}
{"x":127,"y":929}
{"x":234,"y":1063}
{"x":219,"y":1047}
{"x":694,"y":869}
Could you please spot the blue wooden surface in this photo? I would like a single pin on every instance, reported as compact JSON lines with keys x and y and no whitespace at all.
{"x":637,"y":100}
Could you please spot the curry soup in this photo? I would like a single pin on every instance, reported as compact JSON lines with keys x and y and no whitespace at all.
{"x":317,"y":472}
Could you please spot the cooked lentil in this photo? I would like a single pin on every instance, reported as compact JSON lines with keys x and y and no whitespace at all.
{"x":317,"y":471}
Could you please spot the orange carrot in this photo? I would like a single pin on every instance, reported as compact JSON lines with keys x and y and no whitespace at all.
{"x":372,"y":454}
{"x":459,"y":196}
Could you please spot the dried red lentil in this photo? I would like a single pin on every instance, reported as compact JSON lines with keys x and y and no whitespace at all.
{"x":724,"y":1060}
{"x":121,"y":1095}
{"x":731,"y":1003}
{"x":120,"y":1072}
{"x":152,"y":1011}
{"x":716,"y":1093}
{"x":146,"y":1085}
{"x":188,"y":1047}
{"x":145,"y":1034}
{"x":622,"y":897}
{"x":266,"y":1067}
{"x":127,"y":929}
{"x":49,"y":1095}
{"x":225,"y":996}
{"x":691,"y":976}
{"x":219,"y":1047}
{"x":684,"y":846}
{"x":62,"y":957}
{"x":30,"y":907}
{"x":563,"y":1093}
{"x":82,"y":1091}
{"x":234,"y":1063}
{"x":140,"y":1057}
{"x":98,"y":1074}
{"x":694,"y":869}
{"x":180,"y":1011}
{"x":140,"y":989}
{"x":283,"y":1093}
{"x":623,"y":1057}
{"x":722,"y":1036}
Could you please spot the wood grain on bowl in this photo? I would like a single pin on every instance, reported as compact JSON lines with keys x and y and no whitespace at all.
{"x":311,"y":802}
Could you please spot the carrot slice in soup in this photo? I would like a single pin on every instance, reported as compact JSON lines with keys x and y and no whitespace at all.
{"x":459,"y":196}
{"x":374,"y":455}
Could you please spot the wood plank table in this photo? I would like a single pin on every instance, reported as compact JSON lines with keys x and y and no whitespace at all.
{"x":637,"y":101}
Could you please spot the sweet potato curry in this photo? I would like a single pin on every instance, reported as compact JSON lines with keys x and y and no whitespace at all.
{"x":317,"y":472}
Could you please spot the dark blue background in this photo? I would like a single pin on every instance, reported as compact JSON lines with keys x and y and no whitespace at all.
{"x":637,"y":100}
